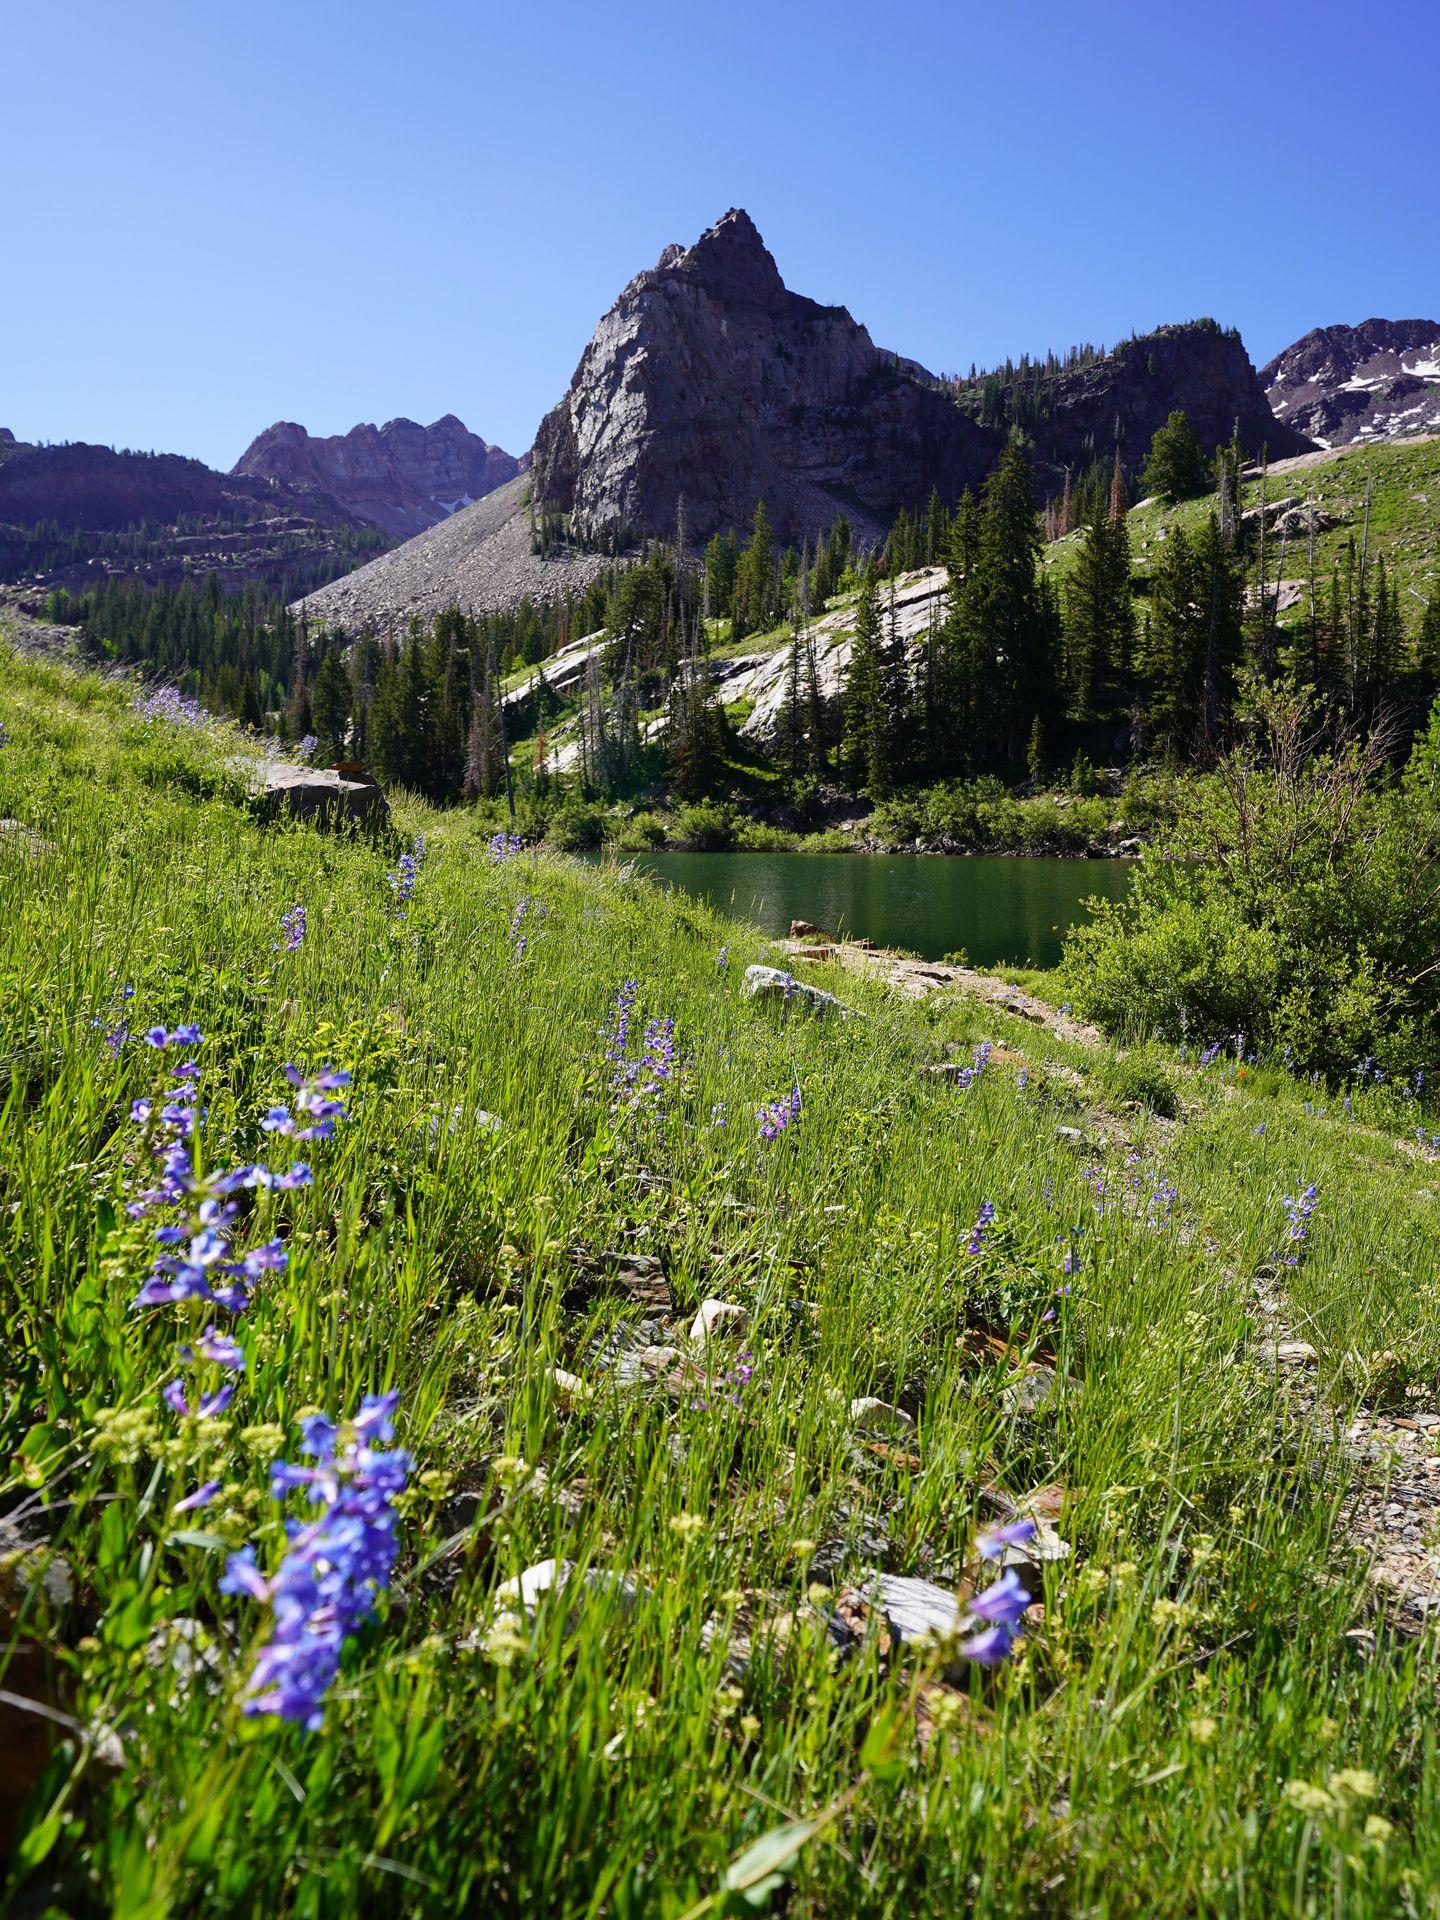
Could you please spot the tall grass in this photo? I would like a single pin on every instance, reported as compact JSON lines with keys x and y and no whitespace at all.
{"x":1208,"y":1640}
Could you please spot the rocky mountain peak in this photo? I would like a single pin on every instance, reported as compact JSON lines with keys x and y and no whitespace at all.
{"x":402,"y":477}
{"x":1379,"y":380}
{"x":731,"y":259}
{"x":709,"y":379}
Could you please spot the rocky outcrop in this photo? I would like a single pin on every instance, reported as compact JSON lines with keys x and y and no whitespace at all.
{"x":1377,"y":381}
{"x":1121,"y":398}
{"x":401,"y":477}
{"x":709,"y":380}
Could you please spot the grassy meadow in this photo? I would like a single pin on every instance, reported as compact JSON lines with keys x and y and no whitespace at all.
{"x":1209,"y":1709}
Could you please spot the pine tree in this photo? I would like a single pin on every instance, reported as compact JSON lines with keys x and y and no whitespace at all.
{"x":330,"y":702}
{"x":1176,"y":468}
{"x":755,"y":577}
{"x":860,"y":697}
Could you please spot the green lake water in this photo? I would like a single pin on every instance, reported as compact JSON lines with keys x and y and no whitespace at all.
{"x":998,"y":911}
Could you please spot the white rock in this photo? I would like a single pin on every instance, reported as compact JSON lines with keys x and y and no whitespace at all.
{"x":717,"y":1319}
{"x":770,"y":983}
{"x":869,"y":1415}
{"x":916,"y":1610}
{"x":528,"y":1590}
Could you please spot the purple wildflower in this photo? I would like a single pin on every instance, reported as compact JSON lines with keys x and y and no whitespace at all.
{"x":211,"y":1405}
{"x":1014,"y":1534}
{"x":325,"y":1586}
{"x":169,"y":705}
{"x":503,"y":846}
{"x":201,"y":1497}
{"x":292,"y":926}
{"x":779,"y":1114}
{"x":305,"y":747}
{"x":983,"y":1221}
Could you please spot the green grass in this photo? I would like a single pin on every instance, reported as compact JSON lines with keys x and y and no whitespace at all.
{"x":1404,"y":478}
{"x":1209,"y":1639}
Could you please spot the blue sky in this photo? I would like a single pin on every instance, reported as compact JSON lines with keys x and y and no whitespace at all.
{"x":218,"y":215}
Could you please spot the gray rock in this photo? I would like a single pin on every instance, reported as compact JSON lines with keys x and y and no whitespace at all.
{"x":916,"y":1611}
{"x":316,"y":794}
{"x":770,"y":983}
{"x":869,"y":1415}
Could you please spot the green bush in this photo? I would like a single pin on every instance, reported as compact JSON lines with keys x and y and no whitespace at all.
{"x":640,"y":833}
{"x":575,"y":827}
{"x":1293,"y":907}
{"x":705,"y":825}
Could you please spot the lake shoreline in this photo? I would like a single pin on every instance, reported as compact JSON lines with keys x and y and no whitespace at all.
{"x":983,"y":910}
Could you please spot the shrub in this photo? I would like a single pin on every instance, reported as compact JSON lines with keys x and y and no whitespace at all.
{"x":705,"y":825}
{"x":575,"y":827}
{"x":638,"y":834}
{"x":1295,"y":905}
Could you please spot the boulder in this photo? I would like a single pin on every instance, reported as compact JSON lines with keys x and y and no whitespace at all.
{"x":319,"y":795}
{"x":771,"y":983}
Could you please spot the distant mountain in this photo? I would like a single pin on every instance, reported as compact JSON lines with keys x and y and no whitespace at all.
{"x":80,"y":486}
{"x":401,"y":477}
{"x":1075,"y":415}
{"x":1377,"y":381}
{"x":75,"y":514}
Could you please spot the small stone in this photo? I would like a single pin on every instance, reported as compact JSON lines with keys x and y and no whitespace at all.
{"x":916,"y":1611}
{"x":570,"y":1387}
{"x":717,"y":1319}
{"x":1292,"y":1353}
{"x":530,"y":1589}
{"x":1034,"y":1392}
{"x":869,"y":1415}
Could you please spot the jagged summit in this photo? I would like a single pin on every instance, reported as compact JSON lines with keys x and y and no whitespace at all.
{"x":710,"y":378}
{"x":1379,"y":380}
{"x":732,"y":258}
{"x":402,"y":477}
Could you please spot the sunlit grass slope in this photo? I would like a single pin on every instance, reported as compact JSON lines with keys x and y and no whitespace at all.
{"x":1207,"y":1640}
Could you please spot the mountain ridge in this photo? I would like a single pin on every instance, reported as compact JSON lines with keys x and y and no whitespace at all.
{"x":401,"y":477}
{"x":1378,"y":380}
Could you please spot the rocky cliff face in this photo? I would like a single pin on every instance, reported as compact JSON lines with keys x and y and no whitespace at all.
{"x":1120,"y":400}
{"x":1377,"y":381}
{"x":709,"y":379}
{"x":401,"y":477}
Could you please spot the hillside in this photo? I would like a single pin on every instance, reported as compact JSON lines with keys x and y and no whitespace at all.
{"x":1403,"y":482}
{"x":72,"y":514}
{"x":482,"y":556}
{"x":1377,"y":381}
{"x":401,"y":477}
{"x":1076,"y":415}
{"x":658,"y":1579}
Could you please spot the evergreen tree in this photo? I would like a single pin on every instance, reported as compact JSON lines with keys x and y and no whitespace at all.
{"x":1099,"y":619}
{"x":330,"y":703}
{"x":860,"y":696}
{"x":754,"y":600}
{"x":1177,"y":468}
